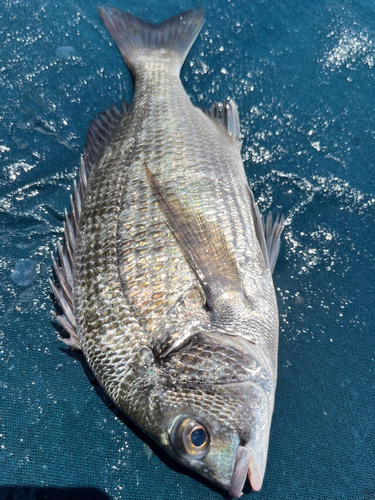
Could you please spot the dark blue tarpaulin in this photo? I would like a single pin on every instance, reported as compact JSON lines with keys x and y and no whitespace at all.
{"x":303,"y":76}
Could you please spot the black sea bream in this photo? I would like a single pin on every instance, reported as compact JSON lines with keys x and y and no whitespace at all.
{"x":166,"y":276}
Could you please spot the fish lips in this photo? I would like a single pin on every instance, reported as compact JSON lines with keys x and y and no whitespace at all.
{"x":251,"y":458}
{"x":246,"y":465}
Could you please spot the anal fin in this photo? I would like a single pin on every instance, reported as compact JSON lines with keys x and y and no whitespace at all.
{"x":226,"y":115}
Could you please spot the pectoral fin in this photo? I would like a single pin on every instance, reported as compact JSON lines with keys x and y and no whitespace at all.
{"x":203,"y":244}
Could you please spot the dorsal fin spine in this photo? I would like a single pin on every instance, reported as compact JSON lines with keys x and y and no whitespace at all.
{"x":99,"y":132}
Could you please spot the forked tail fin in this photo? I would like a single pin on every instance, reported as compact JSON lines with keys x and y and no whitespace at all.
{"x":139,"y":41}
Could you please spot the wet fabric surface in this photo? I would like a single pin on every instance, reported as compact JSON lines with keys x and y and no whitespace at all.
{"x":303,"y":79}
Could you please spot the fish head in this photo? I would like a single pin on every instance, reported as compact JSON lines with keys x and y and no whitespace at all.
{"x":213,"y":411}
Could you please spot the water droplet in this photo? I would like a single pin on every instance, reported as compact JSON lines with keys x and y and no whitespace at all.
{"x":65,"y":52}
{"x":24,"y":272}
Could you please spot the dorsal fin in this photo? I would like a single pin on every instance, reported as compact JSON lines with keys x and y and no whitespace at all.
{"x":203,"y":244}
{"x":98,"y":134}
{"x":227,"y":115}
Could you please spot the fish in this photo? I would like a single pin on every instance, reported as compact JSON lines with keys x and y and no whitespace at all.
{"x":165,"y":278}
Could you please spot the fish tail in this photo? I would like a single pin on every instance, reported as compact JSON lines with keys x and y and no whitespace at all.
{"x":139,"y":41}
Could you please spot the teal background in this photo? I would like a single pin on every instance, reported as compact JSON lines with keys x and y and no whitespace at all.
{"x":302,"y":74}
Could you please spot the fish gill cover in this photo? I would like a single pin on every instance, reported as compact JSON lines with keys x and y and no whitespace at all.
{"x":303,"y":79}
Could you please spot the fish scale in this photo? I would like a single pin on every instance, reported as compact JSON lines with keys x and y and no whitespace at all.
{"x":172,"y":299}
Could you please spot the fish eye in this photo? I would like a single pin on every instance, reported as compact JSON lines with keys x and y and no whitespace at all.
{"x":190,"y":438}
{"x":198,"y":436}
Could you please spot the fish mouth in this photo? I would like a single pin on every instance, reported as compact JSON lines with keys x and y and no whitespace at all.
{"x":246,"y":464}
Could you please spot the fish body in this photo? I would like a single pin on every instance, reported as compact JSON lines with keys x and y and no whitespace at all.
{"x":166,"y":276}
